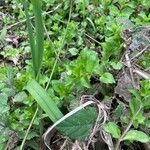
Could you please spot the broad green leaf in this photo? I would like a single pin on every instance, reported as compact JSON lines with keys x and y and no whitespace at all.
{"x":145,"y":93}
{"x":79,"y":126}
{"x":111,"y":47}
{"x":116,"y":65}
{"x":32,"y":135}
{"x":4,"y":135}
{"x":135,"y":105}
{"x":112,"y":128}
{"x":58,"y":87}
{"x":2,"y":85}
{"x":134,"y":135}
{"x":136,"y":108}
{"x":107,"y":78}
{"x":86,"y":64}
{"x":43,"y":99}
{"x":89,"y":60}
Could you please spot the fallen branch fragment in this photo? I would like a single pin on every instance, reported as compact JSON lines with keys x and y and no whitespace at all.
{"x":143,"y":74}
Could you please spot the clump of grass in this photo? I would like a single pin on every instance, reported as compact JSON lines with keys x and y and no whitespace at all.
{"x":36,"y":39}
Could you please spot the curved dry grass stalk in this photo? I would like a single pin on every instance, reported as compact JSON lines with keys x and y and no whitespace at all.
{"x":102,"y":115}
{"x":107,"y":139}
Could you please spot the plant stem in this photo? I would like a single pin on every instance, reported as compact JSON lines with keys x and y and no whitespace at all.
{"x":84,"y":8}
{"x":27,"y":132}
{"x":124,"y":133}
{"x":126,"y":130}
{"x":59,"y":51}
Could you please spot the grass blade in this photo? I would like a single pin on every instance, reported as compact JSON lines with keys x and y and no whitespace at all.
{"x":30,"y":33}
{"x":39,"y":32}
{"x":37,"y":43}
{"x":43,"y":99}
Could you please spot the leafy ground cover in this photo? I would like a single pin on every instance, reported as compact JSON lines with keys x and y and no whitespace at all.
{"x":74,"y":74}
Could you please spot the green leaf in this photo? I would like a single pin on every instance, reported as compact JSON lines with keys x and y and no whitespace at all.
{"x":112,"y":128}
{"x":136,"y":94}
{"x":32,"y":135}
{"x":119,"y":111}
{"x":37,"y":43}
{"x":30,"y":34}
{"x":107,"y":78}
{"x":4,"y":107}
{"x":91,"y":23}
{"x":39,"y":30}
{"x":20,"y":97}
{"x":85,"y":82}
{"x":145,"y":88}
{"x":43,"y":99}
{"x":73,"y":51}
{"x":89,"y":60}
{"x":135,"y":105}
{"x":147,"y":123}
{"x":111,"y":47}
{"x":79,"y":125}
{"x":61,"y":88}
{"x":8,"y":91}
{"x":136,"y":108}
{"x":134,"y":135}
{"x":116,"y":65}
{"x":2,"y":145}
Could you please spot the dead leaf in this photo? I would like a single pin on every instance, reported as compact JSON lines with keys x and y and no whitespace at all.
{"x":124,"y":84}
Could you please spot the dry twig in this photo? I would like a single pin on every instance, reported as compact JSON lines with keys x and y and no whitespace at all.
{"x":128,"y":63}
{"x":141,"y":52}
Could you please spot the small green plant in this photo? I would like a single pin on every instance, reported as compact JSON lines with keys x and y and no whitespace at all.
{"x":134,"y":120}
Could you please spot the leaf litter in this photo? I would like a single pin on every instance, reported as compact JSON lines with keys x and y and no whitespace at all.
{"x":136,"y":42}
